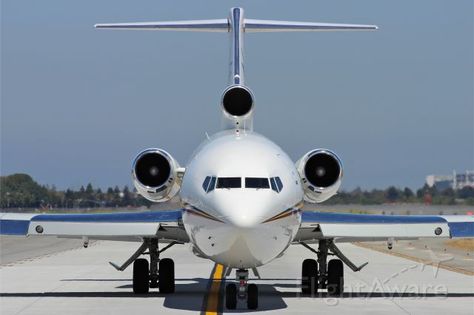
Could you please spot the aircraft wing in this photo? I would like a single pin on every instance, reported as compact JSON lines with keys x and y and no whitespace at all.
{"x":130,"y":226}
{"x":347,"y":227}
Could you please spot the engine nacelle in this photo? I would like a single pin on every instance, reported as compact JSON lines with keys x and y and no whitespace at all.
{"x":237,"y":101}
{"x":155,"y":175}
{"x":321,"y":174}
{"x":237,"y":104}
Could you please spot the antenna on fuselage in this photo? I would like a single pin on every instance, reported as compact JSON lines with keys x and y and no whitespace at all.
{"x":237,"y":100}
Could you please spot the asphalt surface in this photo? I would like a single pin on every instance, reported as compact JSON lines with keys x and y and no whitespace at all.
{"x":440,"y":252}
{"x":70,"y":279}
{"x":17,"y":248}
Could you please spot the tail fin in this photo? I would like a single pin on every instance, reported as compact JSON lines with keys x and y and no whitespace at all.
{"x":237,"y":25}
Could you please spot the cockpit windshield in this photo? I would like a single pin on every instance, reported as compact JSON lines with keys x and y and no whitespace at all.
{"x":211,"y":182}
{"x":256,"y":182}
{"x":229,"y":182}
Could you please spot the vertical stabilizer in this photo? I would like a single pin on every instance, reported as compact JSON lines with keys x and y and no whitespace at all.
{"x":236,"y":29}
{"x":237,"y":101}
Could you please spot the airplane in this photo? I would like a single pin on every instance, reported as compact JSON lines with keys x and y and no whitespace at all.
{"x":241,"y":195}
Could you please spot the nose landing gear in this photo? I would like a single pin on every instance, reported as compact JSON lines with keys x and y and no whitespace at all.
{"x":244,"y":291}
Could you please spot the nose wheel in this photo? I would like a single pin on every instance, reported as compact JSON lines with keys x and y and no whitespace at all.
{"x":252,"y":296}
{"x":231,"y":296}
{"x":244,"y":291}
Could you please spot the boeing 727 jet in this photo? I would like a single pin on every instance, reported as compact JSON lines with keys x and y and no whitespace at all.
{"x":241,"y":195}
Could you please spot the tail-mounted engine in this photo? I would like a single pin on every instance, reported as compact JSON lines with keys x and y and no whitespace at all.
{"x":321,"y":174}
{"x":155,"y":175}
{"x":237,"y":105}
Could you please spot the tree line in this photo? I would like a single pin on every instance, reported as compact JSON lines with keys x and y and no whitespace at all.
{"x":425,"y":194}
{"x":21,"y":191}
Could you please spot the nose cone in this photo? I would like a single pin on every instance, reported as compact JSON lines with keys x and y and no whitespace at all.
{"x":247,"y":219}
{"x":242,"y":239}
{"x":243,"y":211}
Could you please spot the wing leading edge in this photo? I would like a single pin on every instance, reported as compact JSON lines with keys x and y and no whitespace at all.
{"x":110,"y":226}
{"x":347,"y":227}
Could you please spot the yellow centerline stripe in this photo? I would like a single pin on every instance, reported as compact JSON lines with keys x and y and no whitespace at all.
{"x":213,"y":298}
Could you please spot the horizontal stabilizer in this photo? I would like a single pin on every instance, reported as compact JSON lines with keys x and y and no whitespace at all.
{"x":288,"y":26}
{"x":221,"y":25}
{"x":249,"y":25}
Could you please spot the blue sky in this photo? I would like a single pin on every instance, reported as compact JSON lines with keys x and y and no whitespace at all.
{"x":77,"y":104}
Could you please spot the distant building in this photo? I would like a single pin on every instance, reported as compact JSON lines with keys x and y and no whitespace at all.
{"x":454,"y":181}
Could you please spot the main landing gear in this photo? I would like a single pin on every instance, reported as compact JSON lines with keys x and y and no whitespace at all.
{"x":328,"y":276}
{"x":242,"y":292}
{"x":158,"y":273}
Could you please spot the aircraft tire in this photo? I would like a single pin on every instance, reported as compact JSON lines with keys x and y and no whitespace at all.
{"x":309,"y":277}
{"x":252,"y":296}
{"x":335,"y":277}
{"x":141,"y":276}
{"x":166,"y":283}
{"x":231,"y":296}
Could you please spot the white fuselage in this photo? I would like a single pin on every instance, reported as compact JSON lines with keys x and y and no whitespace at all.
{"x":241,"y":227}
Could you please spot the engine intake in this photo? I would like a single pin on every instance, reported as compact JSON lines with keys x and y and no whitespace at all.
{"x":237,"y":101}
{"x":321,"y":174}
{"x":322,"y":169}
{"x":154,"y":174}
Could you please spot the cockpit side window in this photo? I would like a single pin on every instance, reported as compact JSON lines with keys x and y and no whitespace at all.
{"x":273,"y":184}
{"x":205,"y":185}
{"x":209,"y":183}
{"x":212,"y":184}
{"x":229,"y":182}
{"x":256,"y":182}
{"x":279,"y":183}
{"x":276,"y":184}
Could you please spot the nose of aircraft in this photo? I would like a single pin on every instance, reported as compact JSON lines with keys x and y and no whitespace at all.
{"x":243,"y":210}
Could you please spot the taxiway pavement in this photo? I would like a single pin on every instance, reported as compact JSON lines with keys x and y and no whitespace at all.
{"x":76,"y":280}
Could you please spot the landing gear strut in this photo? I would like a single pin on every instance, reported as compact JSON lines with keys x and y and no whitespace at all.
{"x":328,"y":276}
{"x":159,"y":273}
{"x":244,"y":291}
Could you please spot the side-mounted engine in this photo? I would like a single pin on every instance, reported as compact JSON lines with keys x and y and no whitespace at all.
{"x":155,"y":175}
{"x":321,"y":174}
